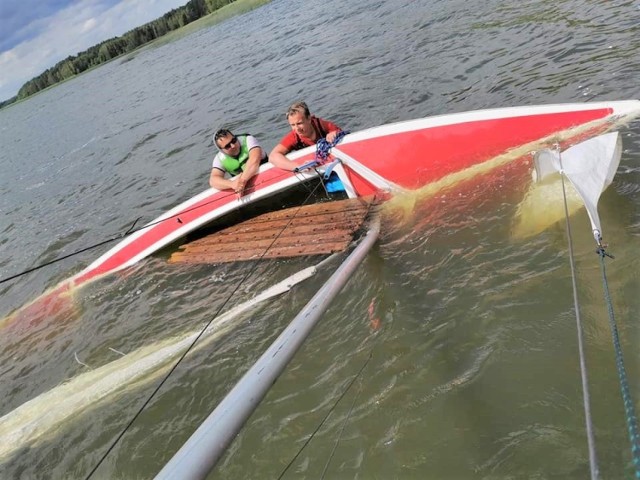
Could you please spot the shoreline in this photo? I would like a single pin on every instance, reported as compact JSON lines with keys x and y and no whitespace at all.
{"x":239,"y":7}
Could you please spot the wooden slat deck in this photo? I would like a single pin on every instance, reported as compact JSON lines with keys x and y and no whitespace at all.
{"x":316,"y":229}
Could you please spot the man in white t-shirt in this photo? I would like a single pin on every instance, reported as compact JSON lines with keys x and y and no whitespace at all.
{"x":239,"y":157}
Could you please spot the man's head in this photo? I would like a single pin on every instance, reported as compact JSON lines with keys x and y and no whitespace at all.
{"x":227,"y":142}
{"x":299,"y":119}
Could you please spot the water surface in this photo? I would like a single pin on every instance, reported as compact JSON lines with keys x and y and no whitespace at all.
{"x":474,"y":372}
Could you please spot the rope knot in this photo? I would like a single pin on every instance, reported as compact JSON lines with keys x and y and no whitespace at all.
{"x":323,"y":148}
{"x":602,"y":252}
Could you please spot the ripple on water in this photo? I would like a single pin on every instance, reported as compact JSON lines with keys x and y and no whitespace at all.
{"x":475,"y":357}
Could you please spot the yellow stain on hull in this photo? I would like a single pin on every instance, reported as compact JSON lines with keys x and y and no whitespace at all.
{"x":543,"y":206}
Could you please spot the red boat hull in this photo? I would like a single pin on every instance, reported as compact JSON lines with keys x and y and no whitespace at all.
{"x":401,"y":156}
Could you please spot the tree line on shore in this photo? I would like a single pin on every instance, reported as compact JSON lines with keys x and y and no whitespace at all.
{"x":114,"y":47}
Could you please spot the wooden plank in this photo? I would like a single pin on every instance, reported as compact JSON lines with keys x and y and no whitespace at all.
{"x":268,"y":243}
{"x":266,"y":222}
{"x":251,"y":227}
{"x":244,"y":255}
{"x":299,"y":231}
{"x":315,"y":209}
{"x":290,"y":231}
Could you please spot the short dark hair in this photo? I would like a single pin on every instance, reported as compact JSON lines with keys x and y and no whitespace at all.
{"x":223,"y":132}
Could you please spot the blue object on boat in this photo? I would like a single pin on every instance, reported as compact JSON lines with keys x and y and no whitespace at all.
{"x":334,"y":184}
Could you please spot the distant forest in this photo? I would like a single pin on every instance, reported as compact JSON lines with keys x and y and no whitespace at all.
{"x":114,"y":47}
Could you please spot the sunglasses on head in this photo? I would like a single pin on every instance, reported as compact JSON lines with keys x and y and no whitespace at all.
{"x":230,"y":144}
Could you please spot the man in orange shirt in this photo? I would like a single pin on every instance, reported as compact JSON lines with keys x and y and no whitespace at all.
{"x":306,"y":130}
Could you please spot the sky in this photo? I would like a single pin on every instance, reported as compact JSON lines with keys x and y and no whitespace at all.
{"x":37,"y":34}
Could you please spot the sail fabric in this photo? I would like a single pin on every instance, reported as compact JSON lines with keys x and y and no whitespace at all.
{"x":590,"y":167}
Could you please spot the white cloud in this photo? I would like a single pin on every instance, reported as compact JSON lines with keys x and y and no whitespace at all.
{"x":73,"y":30}
{"x":7,"y":56}
{"x":88,"y":25}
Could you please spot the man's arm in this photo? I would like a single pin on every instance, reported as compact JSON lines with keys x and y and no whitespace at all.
{"x":277,"y":158}
{"x":331,"y":136}
{"x":331,"y":128}
{"x":253,"y":164}
{"x":217,"y":180}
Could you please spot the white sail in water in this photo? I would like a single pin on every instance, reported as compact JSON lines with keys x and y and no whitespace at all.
{"x":589,"y":166}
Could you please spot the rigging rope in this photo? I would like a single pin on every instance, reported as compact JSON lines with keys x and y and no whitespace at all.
{"x":204,"y":329}
{"x":331,"y":410}
{"x":322,"y":152}
{"x":130,"y":231}
{"x":323,"y":147}
{"x":593,"y":460}
{"x":630,"y":415}
{"x":632,"y":423}
{"x":322,"y":422}
{"x":196,"y":339}
{"x":344,"y":424}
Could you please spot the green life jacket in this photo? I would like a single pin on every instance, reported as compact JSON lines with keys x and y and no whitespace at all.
{"x":234,"y":165}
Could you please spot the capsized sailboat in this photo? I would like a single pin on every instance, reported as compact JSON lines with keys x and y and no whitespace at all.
{"x":589,"y":166}
{"x":391,"y":158}
{"x":553,"y":125}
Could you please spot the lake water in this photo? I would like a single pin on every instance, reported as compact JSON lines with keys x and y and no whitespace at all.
{"x":474,"y":372}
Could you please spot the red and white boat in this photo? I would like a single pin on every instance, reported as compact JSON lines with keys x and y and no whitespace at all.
{"x":395,"y":157}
